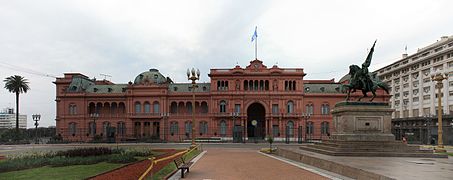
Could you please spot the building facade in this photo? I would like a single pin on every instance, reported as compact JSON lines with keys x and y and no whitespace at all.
{"x":8,"y":119}
{"x":239,"y":104}
{"x":414,"y":94}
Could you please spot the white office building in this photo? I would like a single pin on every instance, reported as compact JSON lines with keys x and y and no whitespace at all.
{"x":8,"y":119}
{"x":414,"y":94}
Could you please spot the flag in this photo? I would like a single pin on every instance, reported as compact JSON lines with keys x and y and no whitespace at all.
{"x":255,"y":35}
{"x":405,"y":48}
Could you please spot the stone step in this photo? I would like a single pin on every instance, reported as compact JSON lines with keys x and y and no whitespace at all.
{"x":373,"y":154}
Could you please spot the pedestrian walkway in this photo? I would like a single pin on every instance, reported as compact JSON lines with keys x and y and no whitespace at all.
{"x":390,"y":167}
{"x":245,"y":164}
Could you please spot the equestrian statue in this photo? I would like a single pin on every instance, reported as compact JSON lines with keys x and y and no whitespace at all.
{"x":361,"y":80}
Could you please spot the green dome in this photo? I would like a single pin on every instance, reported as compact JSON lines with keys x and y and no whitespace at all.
{"x":153,"y":76}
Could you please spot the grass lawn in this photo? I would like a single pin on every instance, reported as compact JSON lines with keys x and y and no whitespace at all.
{"x":170,"y":167}
{"x":67,"y":172}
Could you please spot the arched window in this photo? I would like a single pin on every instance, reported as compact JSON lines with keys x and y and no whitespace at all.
{"x":325,"y":128}
{"x":223,"y":128}
{"x":294,"y":85}
{"x":261,"y":85}
{"x":72,"y":109}
{"x":325,"y":109}
{"x":204,"y":107}
{"x":174,"y":107}
{"x":246,"y":85}
{"x":114,"y":109}
{"x":91,"y":108}
{"x":188,"y":129}
{"x":92,"y":128}
{"x":174,"y":129}
{"x":309,"y":129}
{"x":156,"y":107}
{"x":290,"y":128}
{"x":121,"y":129}
{"x":138,"y":107}
{"x":309,"y":109}
{"x":189,"y":107}
{"x":106,"y":128}
{"x":266,"y":85}
{"x":72,"y":129}
{"x":255,"y":85}
{"x":251,"y":85}
{"x":222,"y":106}
{"x":290,"y":107}
{"x":203,"y":127}
{"x":147,"y":107}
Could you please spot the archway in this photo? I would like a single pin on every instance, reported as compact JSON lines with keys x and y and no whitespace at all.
{"x":256,"y":113}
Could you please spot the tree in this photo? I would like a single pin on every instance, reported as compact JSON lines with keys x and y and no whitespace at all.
{"x":270,"y":140}
{"x":17,"y":84}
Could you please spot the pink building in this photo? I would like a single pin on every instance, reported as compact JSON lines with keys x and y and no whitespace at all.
{"x":239,"y":104}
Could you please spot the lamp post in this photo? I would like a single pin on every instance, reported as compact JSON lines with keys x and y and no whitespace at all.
{"x":428,"y":127}
{"x":36,"y":118}
{"x":165,"y":117}
{"x":235,"y":115}
{"x":306,"y":116}
{"x":94,"y":116}
{"x":193,"y":76}
{"x":439,"y":78}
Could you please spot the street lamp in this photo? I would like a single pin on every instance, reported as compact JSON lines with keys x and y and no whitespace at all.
{"x":94,"y":116}
{"x":439,"y":78}
{"x":398,"y":130}
{"x":306,"y":116}
{"x":192,"y":76}
{"x":234,"y":116}
{"x":36,"y":118}
{"x":428,"y":127}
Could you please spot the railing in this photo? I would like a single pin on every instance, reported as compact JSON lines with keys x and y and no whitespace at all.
{"x":146,"y":115}
{"x":155,"y":161}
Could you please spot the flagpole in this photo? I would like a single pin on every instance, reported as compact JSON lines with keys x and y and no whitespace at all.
{"x":256,"y":44}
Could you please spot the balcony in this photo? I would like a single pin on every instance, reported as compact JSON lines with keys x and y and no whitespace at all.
{"x":146,"y":115}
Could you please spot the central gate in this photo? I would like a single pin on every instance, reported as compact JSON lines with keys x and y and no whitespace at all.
{"x":256,"y":122}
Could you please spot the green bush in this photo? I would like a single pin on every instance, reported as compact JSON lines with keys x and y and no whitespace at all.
{"x":121,"y":158}
{"x":84,"y":152}
{"x":62,"y":161}
{"x":141,"y":152}
{"x":81,"y":156}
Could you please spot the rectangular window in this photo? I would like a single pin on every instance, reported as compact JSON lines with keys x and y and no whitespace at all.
{"x":442,"y":110}
{"x":275,"y":109}
{"x":415,"y":113}
{"x":426,"y":111}
{"x":275,"y":131}
{"x":397,"y":114}
{"x":405,"y":113}
{"x":415,"y":99}
{"x":237,"y":108}
{"x":426,"y":97}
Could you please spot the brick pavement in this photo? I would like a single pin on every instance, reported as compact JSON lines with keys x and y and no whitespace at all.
{"x":237,"y":164}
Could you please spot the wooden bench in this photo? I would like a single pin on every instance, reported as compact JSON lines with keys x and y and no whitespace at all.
{"x":180,"y":164}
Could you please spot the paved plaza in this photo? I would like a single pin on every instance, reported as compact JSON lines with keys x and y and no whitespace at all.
{"x":239,"y":163}
{"x":243,"y":161}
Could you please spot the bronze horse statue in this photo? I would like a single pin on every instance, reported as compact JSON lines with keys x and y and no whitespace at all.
{"x":361,"y":80}
{"x":357,"y":84}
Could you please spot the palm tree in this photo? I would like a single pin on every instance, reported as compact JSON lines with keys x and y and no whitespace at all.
{"x":17,"y":84}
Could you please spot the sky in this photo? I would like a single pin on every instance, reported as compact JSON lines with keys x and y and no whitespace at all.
{"x":41,"y":40}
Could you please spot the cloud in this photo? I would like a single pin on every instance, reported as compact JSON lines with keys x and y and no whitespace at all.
{"x":123,"y":39}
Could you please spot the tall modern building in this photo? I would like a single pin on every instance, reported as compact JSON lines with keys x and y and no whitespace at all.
{"x":8,"y":119}
{"x":414,"y":94}
{"x":237,"y":104}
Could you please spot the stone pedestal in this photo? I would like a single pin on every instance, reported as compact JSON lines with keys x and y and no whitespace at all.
{"x":361,"y":121}
{"x":364,"y":129}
